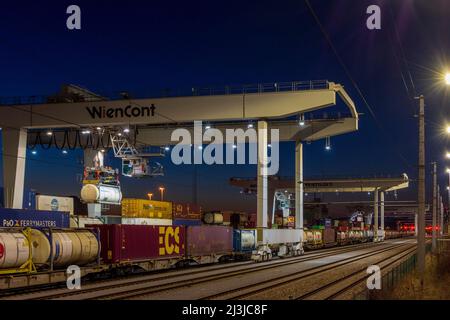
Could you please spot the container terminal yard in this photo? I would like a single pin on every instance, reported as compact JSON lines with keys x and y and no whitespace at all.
{"x":282,"y":222}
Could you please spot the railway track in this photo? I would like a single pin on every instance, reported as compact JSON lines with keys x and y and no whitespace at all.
{"x":338,"y":287}
{"x":250,"y":291}
{"x":135,"y":286}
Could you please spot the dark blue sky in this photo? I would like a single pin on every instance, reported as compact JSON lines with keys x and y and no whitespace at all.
{"x":146,"y":46}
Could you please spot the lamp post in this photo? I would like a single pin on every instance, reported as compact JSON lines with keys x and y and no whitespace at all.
{"x":149,"y":195}
{"x":161,"y":189}
{"x":421,"y":185}
{"x":448,"y":190}
{"x":421,"y":193}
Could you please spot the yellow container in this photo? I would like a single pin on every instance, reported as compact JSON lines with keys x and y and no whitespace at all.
{"x":141,"y":208}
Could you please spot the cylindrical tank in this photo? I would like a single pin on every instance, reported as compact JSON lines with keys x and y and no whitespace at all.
{"x":91,"y":193}
{"x":317,"y":236}
{"x":248,"y":240}
{"x":69,"y":247}
{"x":309,"y":237}
{"x":14,"y":249}
{"x":40,"y":246}
{"x":213,"y":218}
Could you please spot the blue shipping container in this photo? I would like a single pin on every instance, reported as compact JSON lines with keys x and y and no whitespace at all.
{"x":29,"y":199}
{"x":244,"y":240}
{"x":34,"y":218}
{"x":186,"y":222}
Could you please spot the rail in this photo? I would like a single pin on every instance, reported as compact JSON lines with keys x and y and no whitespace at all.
{"x":166,"y":93}
{"x":326,"y":177}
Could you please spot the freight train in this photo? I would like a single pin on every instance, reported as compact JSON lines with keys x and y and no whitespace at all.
{"x":121,"y":247}
{"x":129,"y":247}
{"x":320,"y":237}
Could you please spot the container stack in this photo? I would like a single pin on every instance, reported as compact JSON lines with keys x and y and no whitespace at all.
{"x":186,"y":214}
{"x":146,"y":212}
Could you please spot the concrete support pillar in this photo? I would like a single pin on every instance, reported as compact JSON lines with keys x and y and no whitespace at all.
{"x":14,"y":158}
{"x":93,"y":158}
{"x":382,"y":211}
{"x":375,"y":211}
{"x":299,"y":186}
{"x":262,"y":185}
{"x":434,"y":214}
{"x":271,"y":203}
{"x":416,"y":219}
{"x":442,"y":216}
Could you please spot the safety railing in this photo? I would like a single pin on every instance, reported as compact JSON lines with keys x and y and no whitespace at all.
{"x":195,"y":91}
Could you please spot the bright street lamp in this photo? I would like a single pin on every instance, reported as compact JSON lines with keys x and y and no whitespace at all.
{"x":161,"y":189}
{"x":447,"y":78}
{"x":150,"y":195}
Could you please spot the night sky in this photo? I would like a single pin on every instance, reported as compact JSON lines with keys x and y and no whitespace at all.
{"x":144,"y":47}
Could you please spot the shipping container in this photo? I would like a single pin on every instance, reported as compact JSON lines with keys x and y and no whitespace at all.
{"x":329,"y":236}
{"x":227,"y":217}
{"x":186,"y":211}
{"x":82,"y":221}
{"x":186,"y":222}
{"x":33,"y":218}
{"x":79,"y":207}
{"x":208,"y":240}
{"x":128,"y":243}
{"x":111,"y":210}
{"x":54,"y":203}
{"x":140,"y":208}
{"x":244,"y":240}
{"x":147,"y":221}
{"x":29,"y":199}
{"x":111,"y":219}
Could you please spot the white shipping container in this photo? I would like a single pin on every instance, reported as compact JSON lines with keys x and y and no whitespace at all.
{"x":51,"y":203}
{"x":147,"y":221}
{"x":81,"y":222}
{"x":277,"y":236}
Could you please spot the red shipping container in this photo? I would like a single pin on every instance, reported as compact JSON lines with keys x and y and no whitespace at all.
{"x":186,"y":211}
{"x":207,"y":240}
{"x":122,"y":243}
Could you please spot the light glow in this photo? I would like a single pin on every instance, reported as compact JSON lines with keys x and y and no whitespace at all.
{"x":447,"y":78}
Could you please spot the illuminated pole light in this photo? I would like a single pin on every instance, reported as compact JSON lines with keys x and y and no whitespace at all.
{"x":448,"y":129}
{"x":150,"y":195}
{"x":126,"y":130}
{"x":301,"y":121}
{"x":447,"y":155}
{"x":447,"y":78}
{"x":99,"y":128}
{"x":49,"y":133}
{"x":161,"y":189}
{"x":328,"y":144}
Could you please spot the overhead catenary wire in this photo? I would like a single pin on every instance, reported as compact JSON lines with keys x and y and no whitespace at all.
{"x":402,"y":51}
{"x":352,"y":80}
